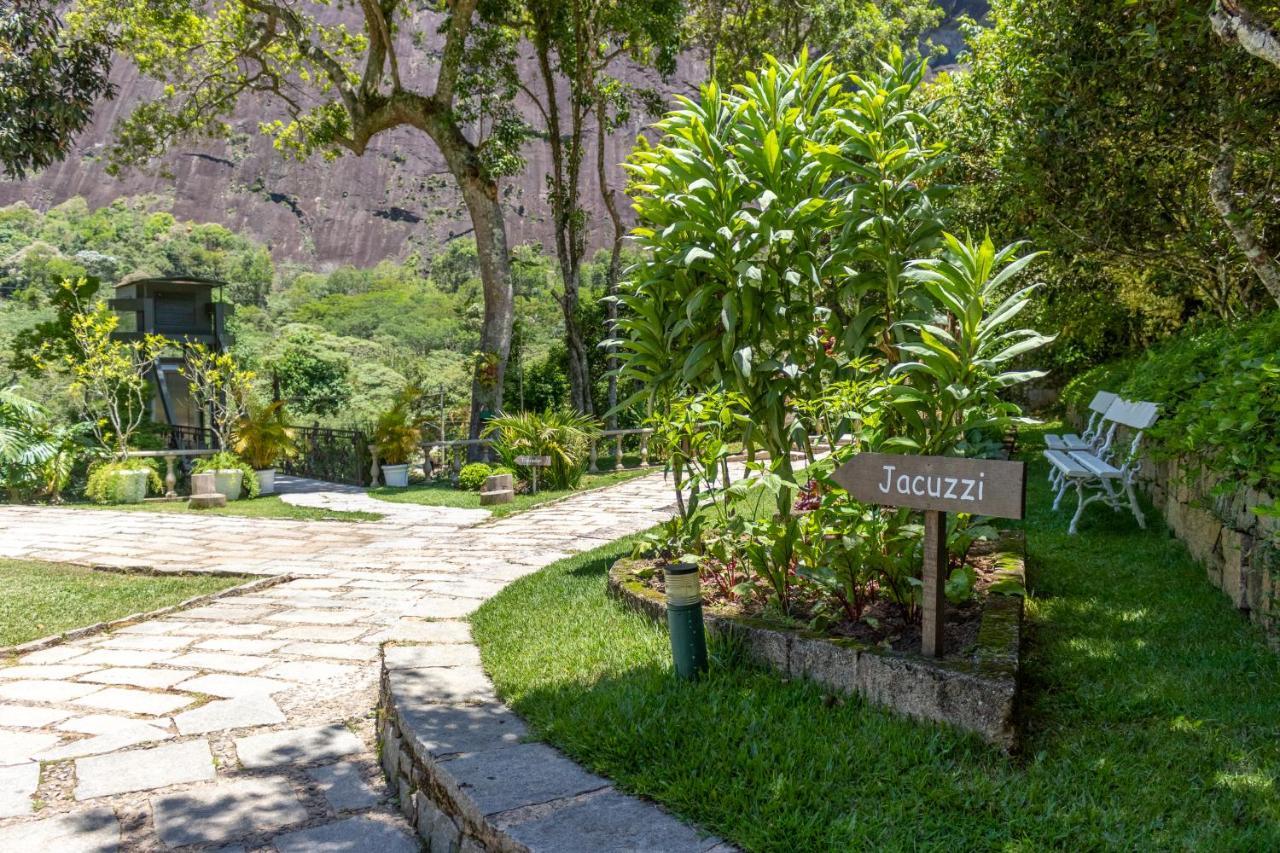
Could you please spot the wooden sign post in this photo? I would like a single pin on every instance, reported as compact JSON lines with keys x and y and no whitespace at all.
{"x":534,"y":462}
{"x":937,"y":485}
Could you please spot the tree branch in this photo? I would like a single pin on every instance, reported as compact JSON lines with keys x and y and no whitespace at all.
{"x":1234,"y":23}
{"x":1238,"y":224}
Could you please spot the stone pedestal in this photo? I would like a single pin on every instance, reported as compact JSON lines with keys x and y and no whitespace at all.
{"x":498,"y":489}
{"x":204,"y":493}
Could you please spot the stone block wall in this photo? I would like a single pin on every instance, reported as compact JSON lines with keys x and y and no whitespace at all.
{"x":1239,"y":549}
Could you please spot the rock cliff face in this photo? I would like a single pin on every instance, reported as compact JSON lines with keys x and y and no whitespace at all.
{"x":396,"y":198}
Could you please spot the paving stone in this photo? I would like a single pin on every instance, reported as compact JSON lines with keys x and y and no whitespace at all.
{"x":86,"y":831}
{"x":344,"y":786}
{"x":440,"y":607}
{"x":240,"y":645}
{"x":227,"y":613}
{"x":134,"y":701}
{"x":18,"y":747}
{"x":249,"y":710}
{"x":45,"y":691}
{"x":424,"y":631}
{"x":321,"y":617}
{"x":448,"y":729}
{"x":226,"y":629}
{"x":54,"y":654}
{"x":101,"y":724}
{"x":353,"y":835}
{"x":501,"y":779}
{"x":30,"y":716}
{"x":50,"y":672}
{"x":220,"y":661}
{"x":123,"y":657}
{"x":313,"y":583}
{"x":336,"y":651}
{"x":321,"y":633}
{"x":143,"y":769}
{"x":145,"y":643}
{"x":227,"y":810}
{"x":311,"y":672}
{"x":608,"y":822}
{"x":114,"y":741}
{"x":436,"y":654}
{"x":297,"y":746}
{"x":454,"y":685}
{"x":138,"y":677}
{"x":17,"y":784}
{"x":231,"y":686}
{"x":154,"y":626}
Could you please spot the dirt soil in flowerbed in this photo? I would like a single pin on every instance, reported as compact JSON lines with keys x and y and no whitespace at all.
{"x":884,"y":622}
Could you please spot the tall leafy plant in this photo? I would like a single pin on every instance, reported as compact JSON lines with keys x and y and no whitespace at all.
{"x":963,"y":356}
{"x":562,"y":435}
{"x":219,"y":386}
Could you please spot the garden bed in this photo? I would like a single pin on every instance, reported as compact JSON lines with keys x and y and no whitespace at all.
{"x":974,"y":686}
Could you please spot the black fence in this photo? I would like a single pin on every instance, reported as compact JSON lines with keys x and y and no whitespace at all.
{"x":332,"y":455}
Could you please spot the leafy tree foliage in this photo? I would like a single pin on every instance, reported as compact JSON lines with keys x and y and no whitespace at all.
{"x":1097,"y":130}
{"x":49,"y":81}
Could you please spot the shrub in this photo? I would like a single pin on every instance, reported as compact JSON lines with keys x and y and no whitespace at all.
{"x":562,"y":435}
{"x":104,"y":486}
{"x":472,"y":476}
{"x":263,"y":435}
{"x":396,"y":435}
{"x":226,"y":461}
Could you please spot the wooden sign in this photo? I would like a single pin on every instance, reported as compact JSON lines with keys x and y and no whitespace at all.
{"x":978,"y":486}
{"x":937,"y":485}
{"x":534,"y":461}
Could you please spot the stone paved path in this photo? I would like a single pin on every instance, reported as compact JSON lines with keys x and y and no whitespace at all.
{"x":247,"y":722}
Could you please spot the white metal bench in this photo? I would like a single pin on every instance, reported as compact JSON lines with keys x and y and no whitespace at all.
{"x":1096,"y":471}
{"x":1091,"y":437}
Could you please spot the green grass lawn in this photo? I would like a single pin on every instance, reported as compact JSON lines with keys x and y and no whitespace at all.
{"x":442,"y":494}
{"x":38,"y":599}
{"x":1151,"y":715}
{"x":266,"y":506}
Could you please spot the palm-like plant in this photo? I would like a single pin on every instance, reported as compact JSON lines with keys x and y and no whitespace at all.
{"x":960,"y":359}
{"x":563,"y":435}
{"x":263,"y":436}
{"x":397,"y":434}
{"x":36,"y":451}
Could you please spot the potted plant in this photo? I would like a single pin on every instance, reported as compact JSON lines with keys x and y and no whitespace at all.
{"x":396,"y":437}
{"x":263,"y":436}
{"x":231,"y":474}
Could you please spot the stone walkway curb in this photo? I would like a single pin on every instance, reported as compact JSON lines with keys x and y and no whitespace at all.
{"x":52,"y":640}
{"x":469,"y":780}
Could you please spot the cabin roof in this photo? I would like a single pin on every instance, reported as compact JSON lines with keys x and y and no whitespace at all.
{"x":190,"y":281}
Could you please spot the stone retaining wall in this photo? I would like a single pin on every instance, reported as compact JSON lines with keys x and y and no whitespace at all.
{"x":975,"y":691}
{"x":469,"y":781}
{"x":1238,"y":548}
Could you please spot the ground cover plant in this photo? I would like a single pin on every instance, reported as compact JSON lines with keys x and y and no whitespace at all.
{"x":1218,"y":386}
{"x":38,"y":599}
{"x":1134,"y":737}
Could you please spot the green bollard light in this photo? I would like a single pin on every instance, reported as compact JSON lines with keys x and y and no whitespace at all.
{"x":684,"y":620}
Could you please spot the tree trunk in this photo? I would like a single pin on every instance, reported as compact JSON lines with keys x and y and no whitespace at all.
{"x":615,"y":255}
{"x":481,"y":197}
{"x":1234,"y":23}
{"x":1238,"y":223}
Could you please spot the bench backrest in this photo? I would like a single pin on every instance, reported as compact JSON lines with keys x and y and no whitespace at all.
{"x":1102,"y":401}
{"x":1135,"y":415}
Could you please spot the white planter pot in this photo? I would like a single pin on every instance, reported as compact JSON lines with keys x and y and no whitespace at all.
{"x":131,"y":486}
{"x":228,"y":482}
{"x":266,"y":481}
{"x":395,"y":476}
